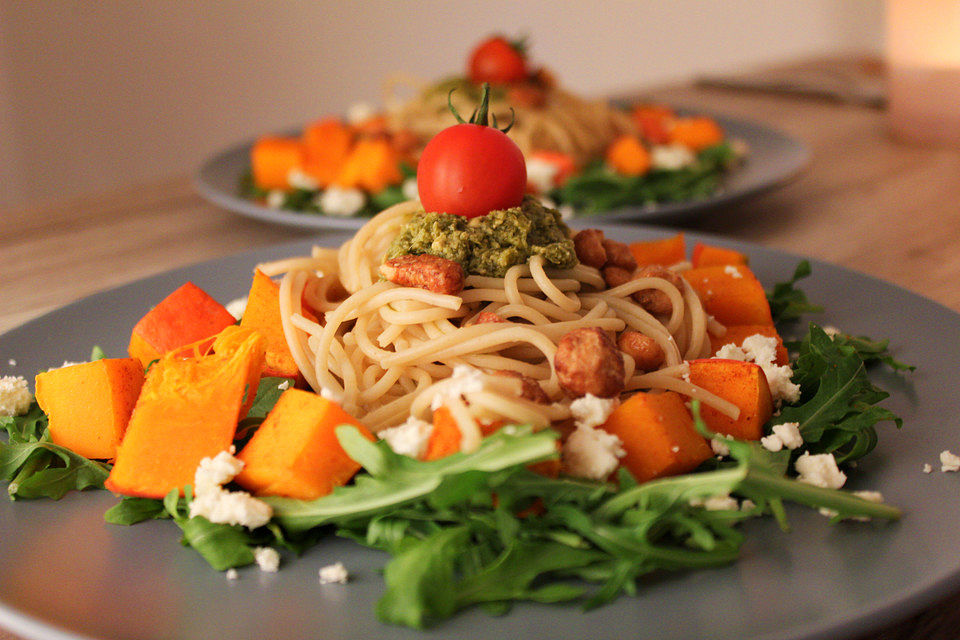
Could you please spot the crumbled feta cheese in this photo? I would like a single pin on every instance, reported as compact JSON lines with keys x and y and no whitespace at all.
{"x":732,"y":271}
{"x":12,"y":362}
{"x":789,"y":434}
{"x":591,"y":453}
{"x":831,"y":331}
{"x":409,"y":438}
{"x":70,"y":363}
{"x":297,"y":178}
{"x":748,"y":505}
{"x":820,"y":470}
{"x":218,"y":505}
{"x":772,"y":442}
{"x":723,"y":502}
{"x":949,"y":461}
{"x":275,"y":198}
{"x":762,"y":350}
{"x":232,"y":574}
{"x":410,"y":189}
{"x":237,"y":307}
{"x":566,"y":211}
{"x":541,"y":174}
{"x":15,"y":397}
{"x":927,"y":468}
{"x":267,"y":558}
{"x":719,"y":447}
{"x":464,"y":380}
{"x":675,"y":448}
{"x":334,"y":573}
{"x":360,"y":112}
{"x":591,"y":411}
{"x":872,"y":496}
{"x":283,"y":386}
{"x":337,"y":201}
{"x":671,"y":157}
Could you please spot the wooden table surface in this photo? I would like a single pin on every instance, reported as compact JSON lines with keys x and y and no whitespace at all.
{"x":866,"y":202}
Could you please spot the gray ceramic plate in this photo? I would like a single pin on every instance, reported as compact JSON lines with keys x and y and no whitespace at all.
{"x":66,"y":574}
{"x":774,"y":158}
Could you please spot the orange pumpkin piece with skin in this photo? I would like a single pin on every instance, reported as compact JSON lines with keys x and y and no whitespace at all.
{"x":89,"y":404}
{"x":705,"y":255}
{"x":262,"y":314}
{"x":373,"y":165}
{"x":697,"y":133}
{"x":187,"y":410}
{"x":658,"y":435}
{"x":326,"y":144}
{"x":742,"y":383}
{"x":295,"y":452}
{"x":664,"y":252}
{"x":445,"y":440}
{"x":737,"y":333}
{"x":271,"y":160}
{"x":184,"y":317}
{"x":731,"y":294}
{"x":628,"y":156}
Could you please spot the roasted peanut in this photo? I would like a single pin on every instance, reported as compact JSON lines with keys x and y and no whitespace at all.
{"x":589,"y":247}
{"x":531,"y":389}
{"x":643,"y":349}
{"x":588,"y":361}
{"x":424,"y":271}
{"x":615,"y":276}
{"x":619,"y":255}
{"x":486,"y":317}
{"x":654,"y":300}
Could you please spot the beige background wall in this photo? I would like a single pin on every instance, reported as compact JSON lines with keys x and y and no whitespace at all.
{"x":95,"y":95}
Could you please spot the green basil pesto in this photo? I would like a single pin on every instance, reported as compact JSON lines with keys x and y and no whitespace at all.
{"x":490,"y":244}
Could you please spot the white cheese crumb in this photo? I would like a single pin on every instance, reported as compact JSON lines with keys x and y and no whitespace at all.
{"x":949,"y":461}
{"x":731,"y":352}
{"x":334,"y":573}
{"x":670,"y":157}
{"x":872,"y":496}
{"x":591,"y":411}
{"x":675,"y":448}
{"x":719,"y":447}
{"x":275,"y":198}
{"x":748,"y":505}
{"x":541,"y":174}
{"x":772,"y":442}
{"x":723,"y":502}
{"x":566,"y":211}
{"x":15,"y":397}
{"x":820,"y":470}
{"x":337,"y":201}
{"x":283,"y":386}
{"x":218,"y":505}
{"x":831,"y":331}
{"x":591,"y":453}
{"x":732,"y":271}
{"x":410,"y":189}
{"x":409,"y":438}
{"x":232,"y":574}
{"x":12,"y":362}
{"x":297,"y":178}
{"x":70,"y":363}
{"x":789,"y":434}
{"x":465,"y":379}
{"x":927,"y":468}
{"x":237,"y":307}
{"x":267,"y":558}
{"x":360,"y":112}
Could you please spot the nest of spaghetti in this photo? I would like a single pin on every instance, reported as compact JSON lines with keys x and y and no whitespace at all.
{"x":546,"y":117}
{"x":399,"y":339}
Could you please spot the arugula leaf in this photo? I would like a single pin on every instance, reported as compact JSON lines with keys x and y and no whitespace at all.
{"x":837,"y":412}
{"x":268,"y":392}
{"x":788,"y":303}
{"x":38,"y":468}
{"x":97,"y":354}
{"x":871,"y":351}
{"x":131,"y":510}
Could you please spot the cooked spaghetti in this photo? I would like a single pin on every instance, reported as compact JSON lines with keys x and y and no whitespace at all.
{"x":559,"y":121}
{"x":389,"y":352}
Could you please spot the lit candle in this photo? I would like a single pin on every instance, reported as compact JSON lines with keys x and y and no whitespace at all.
{"x":923,"y":55}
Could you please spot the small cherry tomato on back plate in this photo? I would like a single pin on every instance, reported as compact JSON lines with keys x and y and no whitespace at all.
{"x":497,"y":61}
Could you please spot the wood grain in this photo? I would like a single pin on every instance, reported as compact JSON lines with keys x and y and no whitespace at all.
{"x":865,"y":202}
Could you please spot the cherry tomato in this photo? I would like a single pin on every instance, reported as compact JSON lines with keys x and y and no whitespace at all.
{"x":497,"y":61}
{"x":470,"y":170}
